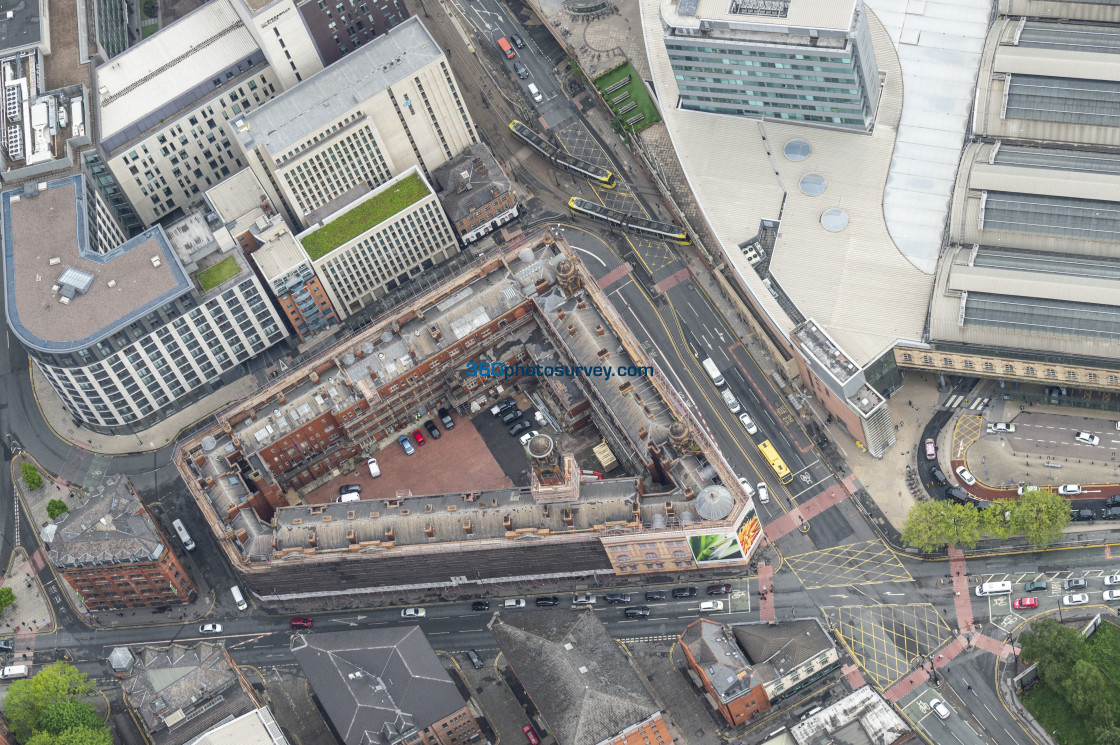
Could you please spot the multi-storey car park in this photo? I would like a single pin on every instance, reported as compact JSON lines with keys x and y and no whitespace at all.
{"x":123,"y":332}
{"x":536,"y":306}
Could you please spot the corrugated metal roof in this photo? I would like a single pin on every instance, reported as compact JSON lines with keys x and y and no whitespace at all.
{"x":280,"y":254}
{"x":814,"y":14}
{"x":1057,"y":63}
{"x":843,"y":280}
{"x":1020,"y":180}
{"x":1034,"y":285}
{"x":162,"y":67}
{"x":237,"y":195}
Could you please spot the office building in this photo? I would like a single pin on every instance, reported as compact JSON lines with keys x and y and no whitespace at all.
{"x":26,"y":27}
{"x":380,"y":242}
{"x":384,"y":686}
{"x":475,"y":193}
{"x":162,"y":106}
{"x":862,"y":717}
{"x":178,"y":693}
{"x":111,"y":551}
{"x":391,"y":105}
{"x":584,"y":686}
{"x":123,"y":332}
{"x":794,"y":60}
{"x":289,"y":275}
{"x":340,"y":28}
{"x":110,"y":18}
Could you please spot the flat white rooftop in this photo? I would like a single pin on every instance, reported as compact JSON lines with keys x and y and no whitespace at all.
{"x":800,"y":14}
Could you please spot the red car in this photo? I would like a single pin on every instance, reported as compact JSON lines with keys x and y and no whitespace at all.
{"x":533,"y":739}
{"x":1023,"y":603}
{"x":301,"y":623}
{"x":418,"y":437}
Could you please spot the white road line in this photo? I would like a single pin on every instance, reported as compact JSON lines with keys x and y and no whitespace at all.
{"x":585,"y":251}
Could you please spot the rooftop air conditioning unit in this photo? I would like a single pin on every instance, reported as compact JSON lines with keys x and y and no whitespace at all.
{"x":156,"y":262}
{"x":55,"y":261}
{"x":112,"y":283}
{"x":64,"y":300}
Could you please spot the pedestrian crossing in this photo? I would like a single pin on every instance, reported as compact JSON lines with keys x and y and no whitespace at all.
{"x":960,"y":402}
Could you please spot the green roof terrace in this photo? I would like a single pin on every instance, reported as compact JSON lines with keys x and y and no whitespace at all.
{"x":346,"y":226}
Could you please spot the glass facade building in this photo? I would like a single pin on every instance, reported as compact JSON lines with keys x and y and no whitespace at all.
{"x":735,"y":65}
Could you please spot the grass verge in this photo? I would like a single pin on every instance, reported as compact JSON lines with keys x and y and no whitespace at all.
{"x":638,"y":95}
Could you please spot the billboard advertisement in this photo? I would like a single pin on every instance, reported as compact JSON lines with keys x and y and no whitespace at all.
{"x":733,"y":547}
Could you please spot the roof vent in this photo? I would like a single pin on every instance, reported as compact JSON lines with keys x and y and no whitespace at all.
{"x":55,"y":261}
{"x":569,"y":646}
{"x":112,"y":283}
{"x":55,"y":289}
{"x":156,"y":262}
{"x":64,"y":300}
{"x":583,"y":671}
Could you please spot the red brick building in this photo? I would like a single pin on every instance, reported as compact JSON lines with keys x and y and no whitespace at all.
{"x":475,"y":193}
{"x":718,"y":665}
{"x":113,"y":553}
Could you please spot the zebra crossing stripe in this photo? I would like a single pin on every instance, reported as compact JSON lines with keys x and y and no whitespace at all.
{"x":954,"y":402}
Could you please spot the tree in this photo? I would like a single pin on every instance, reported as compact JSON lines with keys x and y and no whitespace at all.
{"x":74,"y":736}
{"x":1107,"y":735}
{"x":1087,"y":692}
{"x":63,"y":715}
{"x":966,"y":525}
{"x":29,"y":698}
{"x":31,"y":475}
{"x":56,"y":507}
{"x":1040,"y":516}
{"x":995,"y":519}
{"x":929,"y":526}
{"x":7,"y":597}
{"x":1056,"y":648}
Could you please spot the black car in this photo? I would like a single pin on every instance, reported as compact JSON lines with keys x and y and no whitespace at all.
{"x":511,"y":416}
{"x":521,"y":70}
{"x":958,"y":494}
{"x":1082,"y":515}
{"x":684,"y":592}
{"x":445,"y":417}
{"x":938,"y":476}
{"x":520,"y":427}
{"x":1110,"y":513}
{"x":504,"y":405}
{"x":640,"y":611}
{"x":720,"y":589}
{"x":475,"y":659}
{"x":517,"y":42}
{"x":1036,"y":587}
{"x":6,"y":645}
{"x":1076,"y":583}
{"x":655,"y":595}
{"x":616,"y":598}
{"x":548,"y":602}
{"x":1113,"y":501}
{"x":433,"y":430}
{"x":480,"y":605}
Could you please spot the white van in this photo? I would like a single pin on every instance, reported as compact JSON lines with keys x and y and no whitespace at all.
{"x":238,"y":598}
{"x":535,"y":93}
{"x":993,"y":588}
{"x":184,"y":536}
{"x":350,"y":497}
{"x":513,"y":603}
{"x":14,"y":671}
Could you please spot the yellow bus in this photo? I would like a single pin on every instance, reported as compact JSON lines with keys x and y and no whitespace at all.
{"x":775,"y":461}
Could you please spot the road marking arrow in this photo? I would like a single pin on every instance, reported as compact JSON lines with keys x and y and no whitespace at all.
{"x":838,"y":596}
{"x":348,"y":622}
{"x":897,"y":594}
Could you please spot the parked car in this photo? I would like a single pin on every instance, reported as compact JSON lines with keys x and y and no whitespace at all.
{"x":1078,"y":599}
{"x":720,"y":589}
{"x":763,"y":493}
{"x":1077,"y":583}
{"x":475,"y":659}
{"x":1110,"y":513}
{"x":655,"y":595}
{"x":548,"y":601}
{"x":511,"y":416}
{"x":7,"y":645}
{"x":957,"y":494}
{"x":418,"y":436}
{"x":519,"y":427}
{"x":445,"y":417}
{"x":433,"y":430}
{"x":584,"y":598}
{"x":413,"y":613}
{"x":938,"y":476}
{"x":1036,"y":587}
{"x":931,"y":449}
{"x":1112,"y":580}
{"x":964,"y":475}
{"x":1086,"y":438}
{"x":517,"y":42}
{"x":939,"y":708}
{"x":1113,"y":501}
{"x":502,"y":406}
{"x":639,"y":611}
{"x":374,"y":469}
{"x":480,"y":605}
{"x":513,"y":603}
{"x":1024,"y":603}
{"x":1082,"y":515}
{"x":521,"y":70}
{"x":524,"y":439}
{"x":408,"y":449}
{"x":533,"y":739}
{"x":1110,"y":595}
{"x":1026,"y":488}
{"x":1069,"y":490}
{"x":748,"y":424}
{"x":1003,"y":427}
{"x":301,"y":623}
{"x":210,"y":628}
{"x":711,"y":605}
{"x":684,"y":592}
{"x":617,"y":598}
